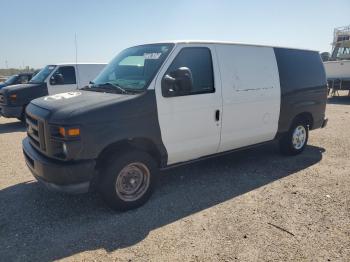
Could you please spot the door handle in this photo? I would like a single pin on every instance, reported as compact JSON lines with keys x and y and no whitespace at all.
{"x":217,"y":115}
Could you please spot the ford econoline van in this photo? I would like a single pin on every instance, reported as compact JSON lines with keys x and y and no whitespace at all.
{"x":160,"y":105}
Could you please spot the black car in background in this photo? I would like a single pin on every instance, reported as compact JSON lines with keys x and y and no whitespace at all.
{"x":21,"y":78}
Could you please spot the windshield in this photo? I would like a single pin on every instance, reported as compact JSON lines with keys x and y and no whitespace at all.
{"x":134,"y":68}
{"x":43,"y":74}
{"x":341,"y":52}
{"x":11,"y":80}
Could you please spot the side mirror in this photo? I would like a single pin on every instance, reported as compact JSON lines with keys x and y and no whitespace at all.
{"x":325,"y":56}
{"x":23,"y":80}
{"x":177,"y":83}
{"x":57,"y":79}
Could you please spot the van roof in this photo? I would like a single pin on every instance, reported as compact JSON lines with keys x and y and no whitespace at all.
{"x":80,"y":63}
{"x":226,"y":43}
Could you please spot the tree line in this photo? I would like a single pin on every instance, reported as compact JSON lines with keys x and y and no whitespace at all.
{"x":14,"y":71}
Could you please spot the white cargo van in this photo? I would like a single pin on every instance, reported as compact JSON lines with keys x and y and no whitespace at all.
{"x":67,"y":77}
{"x":52,"y":79}
{"x":160,"y":105}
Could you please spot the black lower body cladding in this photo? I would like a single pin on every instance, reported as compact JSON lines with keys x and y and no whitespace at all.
{"x":72,"y":177}
{"x":11,"y":111}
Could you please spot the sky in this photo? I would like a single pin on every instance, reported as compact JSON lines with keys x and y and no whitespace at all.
{"x":40,"y":32}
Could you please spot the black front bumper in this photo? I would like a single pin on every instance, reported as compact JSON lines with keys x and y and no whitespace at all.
{"x":69,"y":177}
{"x":325,"y":122}
{"x":11,"y":111}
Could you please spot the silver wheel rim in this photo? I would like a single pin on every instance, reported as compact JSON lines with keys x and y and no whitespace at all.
{"x":132,"y":181}
{"x":299,"y":137}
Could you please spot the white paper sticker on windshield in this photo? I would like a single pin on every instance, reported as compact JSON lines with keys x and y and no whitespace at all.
{"x":152,"y":55}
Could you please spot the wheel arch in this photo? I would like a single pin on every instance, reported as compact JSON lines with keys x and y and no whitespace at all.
{"x":306,"y":117}
{"x":140,"y":143}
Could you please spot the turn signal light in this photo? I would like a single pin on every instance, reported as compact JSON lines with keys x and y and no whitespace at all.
{"x":62,"y":131}
{"x":13,"y":97}
{"x":69,"y":132}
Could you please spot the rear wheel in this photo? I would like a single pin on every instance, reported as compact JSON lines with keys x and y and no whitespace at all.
{"x":128,"y":180}
{"x":295,"y":140}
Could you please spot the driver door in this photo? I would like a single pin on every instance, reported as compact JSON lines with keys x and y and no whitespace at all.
{"x":62,"y":80}
{"x":190,"y":121}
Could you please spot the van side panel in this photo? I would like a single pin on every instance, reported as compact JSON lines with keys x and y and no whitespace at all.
{"x":303,"y":86}
{"x":87,"y":72}
{"x":251,"y":95}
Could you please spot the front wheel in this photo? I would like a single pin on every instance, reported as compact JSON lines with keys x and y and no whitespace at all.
{"x":295,"y":140}
{"x":128,"y":180}
{"x":22,"y":118}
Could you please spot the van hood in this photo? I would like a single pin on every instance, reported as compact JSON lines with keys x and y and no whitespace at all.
{"x":65,"y":106}
{"x":17,"y":88}
{"x":103,"y":119}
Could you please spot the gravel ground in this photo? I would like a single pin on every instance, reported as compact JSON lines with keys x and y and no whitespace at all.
{"x":249,"y":206}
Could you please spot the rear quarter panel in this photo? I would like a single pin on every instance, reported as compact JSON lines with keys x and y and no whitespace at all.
{"x":303,"y":86}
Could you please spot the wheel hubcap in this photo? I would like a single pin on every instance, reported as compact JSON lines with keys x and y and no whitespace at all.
{"x":132,"y":181}
{"x":299,"y":137}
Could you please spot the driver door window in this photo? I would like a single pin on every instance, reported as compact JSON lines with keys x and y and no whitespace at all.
{"x":62,"y":80}
{"x":199,"y":61}
{"x":68,"y":75}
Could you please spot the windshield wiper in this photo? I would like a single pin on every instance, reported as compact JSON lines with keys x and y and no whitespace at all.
{"x":103,"y":89}
{"x":35,"y":82}
{"x":111,"y":86}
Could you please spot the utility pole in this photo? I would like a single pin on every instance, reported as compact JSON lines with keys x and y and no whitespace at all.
{"x":6,"y":64}
{"x":76,"y":48}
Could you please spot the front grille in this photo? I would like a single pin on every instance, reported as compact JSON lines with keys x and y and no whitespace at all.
{"x":2,"y":99}
{"x":36,"y":132}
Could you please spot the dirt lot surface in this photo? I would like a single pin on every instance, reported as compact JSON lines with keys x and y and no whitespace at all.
{"x":249,"y":206}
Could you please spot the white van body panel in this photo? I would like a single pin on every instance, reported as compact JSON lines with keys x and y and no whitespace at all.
{"x":84,"y":73}
{"x":247,"y":93}
{"x":187,"y":123}
{"x":251,"y":95}
{"x":87,"y":72}
{"x":337,"y":69}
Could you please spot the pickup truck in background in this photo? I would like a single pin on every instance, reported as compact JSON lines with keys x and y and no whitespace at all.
{"x":21,"y":78}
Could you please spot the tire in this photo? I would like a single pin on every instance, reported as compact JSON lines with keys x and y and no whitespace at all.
{"x":22,"y":118}
{"x":128,"y":180}
{"x":299,"y":131}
